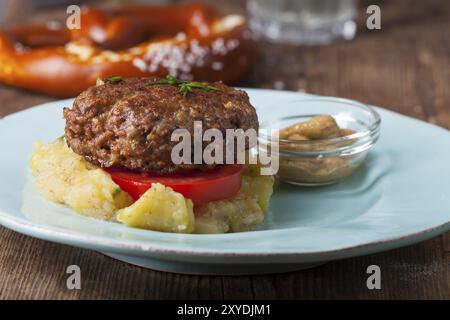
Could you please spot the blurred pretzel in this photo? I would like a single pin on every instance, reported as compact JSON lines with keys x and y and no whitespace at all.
{"x":189,"y":41}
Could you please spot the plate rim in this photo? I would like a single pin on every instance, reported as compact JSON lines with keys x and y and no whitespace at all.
{"x":46,"y":232}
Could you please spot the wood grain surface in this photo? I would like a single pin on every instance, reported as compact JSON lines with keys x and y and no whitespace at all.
{"x":405,"y":67}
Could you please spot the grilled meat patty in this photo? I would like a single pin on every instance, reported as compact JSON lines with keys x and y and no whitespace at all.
{"x":128,"y":124}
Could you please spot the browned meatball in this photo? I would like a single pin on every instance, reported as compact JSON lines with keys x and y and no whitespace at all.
{"x":129,"y":124}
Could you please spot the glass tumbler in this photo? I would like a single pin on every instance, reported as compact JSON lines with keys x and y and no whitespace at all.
{"x":303,"y":21}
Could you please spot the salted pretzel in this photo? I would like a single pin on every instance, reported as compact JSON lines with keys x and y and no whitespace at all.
{"x":188,"y":41}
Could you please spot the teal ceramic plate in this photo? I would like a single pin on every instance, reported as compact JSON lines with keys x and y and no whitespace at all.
{"x":401,"y":196}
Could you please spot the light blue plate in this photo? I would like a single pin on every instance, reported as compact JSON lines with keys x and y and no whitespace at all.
{"x":401,"y":196}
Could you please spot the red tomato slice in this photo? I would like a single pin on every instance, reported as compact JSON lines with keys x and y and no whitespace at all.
{"x":221,"y":183}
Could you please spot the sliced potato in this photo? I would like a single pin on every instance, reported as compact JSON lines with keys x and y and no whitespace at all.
{"x":63,"y":176}
{"x":160,"y":208}
{"x":260,"y":188}
{"x":232,"y":215}
{"x":242,"y":213}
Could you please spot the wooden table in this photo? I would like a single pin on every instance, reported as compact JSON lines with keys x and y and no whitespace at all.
{"x":404,"y":67}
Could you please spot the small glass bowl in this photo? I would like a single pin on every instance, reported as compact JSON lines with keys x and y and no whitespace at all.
{"x":323,"y":161}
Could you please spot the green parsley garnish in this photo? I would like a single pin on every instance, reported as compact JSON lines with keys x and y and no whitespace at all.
{"x":114,"y":80}
{"x":184,"y":87}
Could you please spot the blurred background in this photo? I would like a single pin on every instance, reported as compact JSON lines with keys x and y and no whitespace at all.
{"x":324,"y":47}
